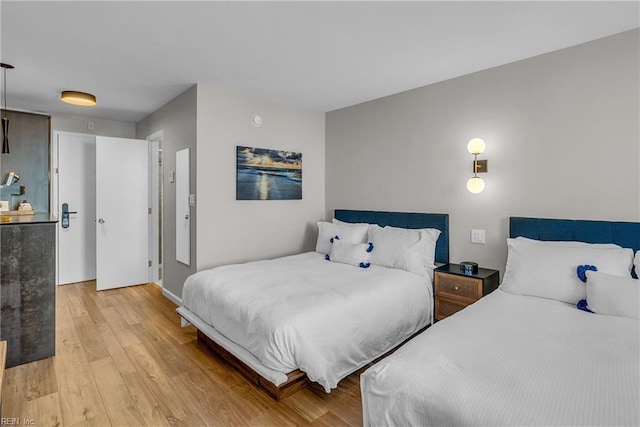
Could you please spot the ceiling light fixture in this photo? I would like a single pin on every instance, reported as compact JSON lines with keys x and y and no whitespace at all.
{"x":5,"y":120}
{"x":82,"y":99}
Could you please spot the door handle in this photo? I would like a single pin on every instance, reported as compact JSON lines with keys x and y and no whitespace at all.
{"x":65,"y":215}
{"x":101,"y":221}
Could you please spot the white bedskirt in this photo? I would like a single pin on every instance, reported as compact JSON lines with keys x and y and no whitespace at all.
{"x":303,"y":312}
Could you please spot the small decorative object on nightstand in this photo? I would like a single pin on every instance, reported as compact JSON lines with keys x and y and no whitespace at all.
{"x":455,"y":289}
{"x":468,"y":267}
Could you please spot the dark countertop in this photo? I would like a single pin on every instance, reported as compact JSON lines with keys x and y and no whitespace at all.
{"x":38,"y":218}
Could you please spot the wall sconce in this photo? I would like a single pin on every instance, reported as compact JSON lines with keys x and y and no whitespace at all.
{"x":12,"y":178}
{"x":475,"y":184}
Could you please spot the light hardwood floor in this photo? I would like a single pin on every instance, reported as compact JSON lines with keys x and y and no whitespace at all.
{"x":122,"y":359}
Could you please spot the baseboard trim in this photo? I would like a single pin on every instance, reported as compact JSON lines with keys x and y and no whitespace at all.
{"x":170,"y":296}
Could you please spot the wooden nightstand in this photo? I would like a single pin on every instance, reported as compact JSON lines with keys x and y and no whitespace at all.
{"x":455,"y":290}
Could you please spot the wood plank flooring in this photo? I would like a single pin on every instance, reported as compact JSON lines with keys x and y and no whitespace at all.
{"x":122,"y":359}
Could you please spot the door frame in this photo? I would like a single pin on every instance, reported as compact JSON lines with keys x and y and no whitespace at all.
{"x":156,"y":193}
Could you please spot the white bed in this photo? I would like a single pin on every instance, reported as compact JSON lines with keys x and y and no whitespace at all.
{"x":510,"y":360}
{"x":303,"y":312}
{"x":322,"y":315}
{"x":525,"y":354}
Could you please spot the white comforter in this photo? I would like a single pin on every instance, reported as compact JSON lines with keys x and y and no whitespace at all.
{"x":303,"y":312}
{"x":511,"y":360}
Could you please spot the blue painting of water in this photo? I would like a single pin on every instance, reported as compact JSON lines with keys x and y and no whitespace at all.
{"x":254,"y":184}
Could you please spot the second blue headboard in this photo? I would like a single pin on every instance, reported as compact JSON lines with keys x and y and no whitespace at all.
{"x":404,"y":220}
{"x":625,"y":234}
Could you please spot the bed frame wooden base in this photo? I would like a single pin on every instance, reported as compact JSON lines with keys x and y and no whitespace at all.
{"x":296,"y":380}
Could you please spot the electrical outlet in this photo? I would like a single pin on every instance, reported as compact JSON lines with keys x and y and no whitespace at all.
{"x":477,"y":236}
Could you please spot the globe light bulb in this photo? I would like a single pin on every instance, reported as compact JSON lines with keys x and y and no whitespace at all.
{"x":475,"y":185}
{"x":476,"y":146}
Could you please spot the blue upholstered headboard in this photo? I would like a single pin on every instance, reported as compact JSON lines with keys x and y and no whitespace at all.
{"x":404,"y":220}
{"x":625,"y":234}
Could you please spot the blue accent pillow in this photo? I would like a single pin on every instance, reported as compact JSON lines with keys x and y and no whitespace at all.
{"x":582,"y":270}
{"x":356,"y":254}
{"x":582,"y":305}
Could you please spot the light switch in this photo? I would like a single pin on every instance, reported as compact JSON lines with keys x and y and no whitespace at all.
{"x":172,"y":176}
{"x":477,"y":236}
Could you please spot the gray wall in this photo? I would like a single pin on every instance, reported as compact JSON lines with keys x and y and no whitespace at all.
{"x":562,"y":134}
{"x":212,"y":122}
{"x":177,"y":121}
{"x":233,"y":230}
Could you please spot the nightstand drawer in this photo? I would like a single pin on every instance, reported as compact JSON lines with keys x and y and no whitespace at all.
{"x":469,"y":288}
{"x":446,"y":307}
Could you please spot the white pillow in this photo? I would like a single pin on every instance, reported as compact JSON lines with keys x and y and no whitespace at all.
{"x":348,"y":233}
{"x":351,"y":253}
{"x":613,"y":295}
{"x":412,"y":250}
{"x":568,"y":243}
{"x":548,"y":269}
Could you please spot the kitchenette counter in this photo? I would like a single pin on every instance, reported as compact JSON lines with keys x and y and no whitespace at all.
{"x":38,"y":218}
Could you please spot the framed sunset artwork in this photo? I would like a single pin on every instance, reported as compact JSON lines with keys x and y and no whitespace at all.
{"x":265,"y":174}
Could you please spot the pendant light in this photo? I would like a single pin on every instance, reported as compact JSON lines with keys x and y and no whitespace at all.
{"x":5,"y":120}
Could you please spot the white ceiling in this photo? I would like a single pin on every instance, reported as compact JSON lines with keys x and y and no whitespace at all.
{"x":136,"y":56}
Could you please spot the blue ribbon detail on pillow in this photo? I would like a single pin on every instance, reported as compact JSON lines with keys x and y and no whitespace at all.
{"x":327,"y":257}
{"x":369,"y":249}
{"x":365,"y":264}
{"x":336,"y":238}
{"x":582,"y":270}
{"x":582,"y":305}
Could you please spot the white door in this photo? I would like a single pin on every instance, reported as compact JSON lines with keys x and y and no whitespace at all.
{"x":76,"y":186}
{"x":122,"y":212}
